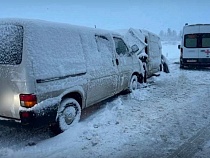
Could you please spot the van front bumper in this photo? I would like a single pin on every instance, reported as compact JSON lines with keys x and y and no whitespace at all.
{"x":37,"y":118}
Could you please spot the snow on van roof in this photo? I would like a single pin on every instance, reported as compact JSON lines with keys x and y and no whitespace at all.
{"x":48,"y":44}
{"x":38,"y":22}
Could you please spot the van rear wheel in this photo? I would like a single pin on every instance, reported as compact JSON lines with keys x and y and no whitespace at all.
{"x":69,"y":114}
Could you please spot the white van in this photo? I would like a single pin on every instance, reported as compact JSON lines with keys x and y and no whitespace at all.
{"x":50,"y":71}
{"x":150,"y":49}
{"x":195,"y":45}
{"x":154,"y":52}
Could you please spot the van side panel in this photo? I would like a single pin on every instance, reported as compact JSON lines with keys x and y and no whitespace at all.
{"x":58,"y":62}
{"x":50,"y":59}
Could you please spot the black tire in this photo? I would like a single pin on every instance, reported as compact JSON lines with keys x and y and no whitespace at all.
{"x":165,"y":68}
{"x":181,"y":66}
{"x":161,"y":67}
{"x":68,"y":114}
{"x":145,"y":76}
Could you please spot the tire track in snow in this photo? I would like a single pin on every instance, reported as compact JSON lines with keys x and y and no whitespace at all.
{"x":189,"y":148}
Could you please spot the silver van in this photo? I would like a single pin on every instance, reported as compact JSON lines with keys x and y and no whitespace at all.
{"x":50,"y":71}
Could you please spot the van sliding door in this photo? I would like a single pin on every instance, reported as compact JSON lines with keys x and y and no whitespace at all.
{"x":124,"y":62}
{"x":103,"y":79}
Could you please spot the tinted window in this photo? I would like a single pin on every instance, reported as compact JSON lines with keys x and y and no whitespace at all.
{"x":121,"y":47}
{"x":205,"y":40}
{"x":191,"y":41}
{"x":201,"y":40}
{"x":11,"y":44}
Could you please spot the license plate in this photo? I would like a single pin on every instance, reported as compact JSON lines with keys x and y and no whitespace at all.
{"x":191,"y":60}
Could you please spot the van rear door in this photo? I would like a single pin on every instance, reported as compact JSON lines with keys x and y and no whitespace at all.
{"x":11,"y":47}
{"x":190,"y":42}
{"x":204,"y":51}
{"x":190,"y":49}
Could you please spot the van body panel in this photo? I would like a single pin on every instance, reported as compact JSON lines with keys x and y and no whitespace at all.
{"x":58,"y":60}
{"x":102,"y":74}
{"x":11,"y":86}
{"x":12,"y":74}
{"x":154,"y":53}
{"x":124,"y":63}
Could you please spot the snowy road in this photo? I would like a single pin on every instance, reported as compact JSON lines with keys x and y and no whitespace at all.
{"x":151,"y":122}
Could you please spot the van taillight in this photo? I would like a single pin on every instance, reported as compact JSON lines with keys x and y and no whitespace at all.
{"x":28,"y":100}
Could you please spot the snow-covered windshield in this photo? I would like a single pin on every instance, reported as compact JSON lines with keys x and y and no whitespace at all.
{"x":11,"y":44}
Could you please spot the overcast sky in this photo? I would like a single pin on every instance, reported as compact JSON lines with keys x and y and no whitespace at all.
{"x":153,"y":15}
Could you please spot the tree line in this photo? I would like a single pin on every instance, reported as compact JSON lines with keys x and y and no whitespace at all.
{"x":170,"y":35}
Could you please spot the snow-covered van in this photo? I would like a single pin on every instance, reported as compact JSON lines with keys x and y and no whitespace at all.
{"x":50,"y":71}
{"x":195,"y":45}
{"x":150,"y":49}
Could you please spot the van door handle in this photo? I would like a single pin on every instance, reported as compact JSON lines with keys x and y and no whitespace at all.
{"x":117,"y":61}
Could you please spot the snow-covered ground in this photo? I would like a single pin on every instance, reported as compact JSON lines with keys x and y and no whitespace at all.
{"x":153,"y":121}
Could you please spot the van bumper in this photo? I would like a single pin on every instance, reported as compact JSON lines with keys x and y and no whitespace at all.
{"x":38,"y":118}
{"x":202,"y":62}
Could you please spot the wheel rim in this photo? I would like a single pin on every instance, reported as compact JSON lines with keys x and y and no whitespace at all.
{"x":134,"y":83}
{"x":69,"y":114}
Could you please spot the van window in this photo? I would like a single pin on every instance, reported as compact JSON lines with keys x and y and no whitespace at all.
{"x":190,"y":41}
{"x":200,"y":40}
{"x":205,"y":40}
{"x":11,"y":44}
{"x":121,"y":47}
{"x":104,"y":47}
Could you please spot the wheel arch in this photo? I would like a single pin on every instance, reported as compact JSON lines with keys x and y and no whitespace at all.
{"x":139,"y":76}
{"x":76,"y":93}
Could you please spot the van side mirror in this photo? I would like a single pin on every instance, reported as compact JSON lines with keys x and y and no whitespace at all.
{"x":179,"y":46}
{"x":134,"y":48}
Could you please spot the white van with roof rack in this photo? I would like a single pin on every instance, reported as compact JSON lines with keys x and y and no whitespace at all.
{"x":50,"y":71}
{"x":195,"y":45}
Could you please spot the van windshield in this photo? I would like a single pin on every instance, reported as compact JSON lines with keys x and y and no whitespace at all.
{"x":200,"y":40}
{"x":11,"y":44}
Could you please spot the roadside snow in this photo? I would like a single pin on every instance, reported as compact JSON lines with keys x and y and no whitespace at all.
{"x":150,"y":122}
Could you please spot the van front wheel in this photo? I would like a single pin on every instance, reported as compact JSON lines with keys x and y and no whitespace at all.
{"x":69,"y":114}
{"x":133,"y":83}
